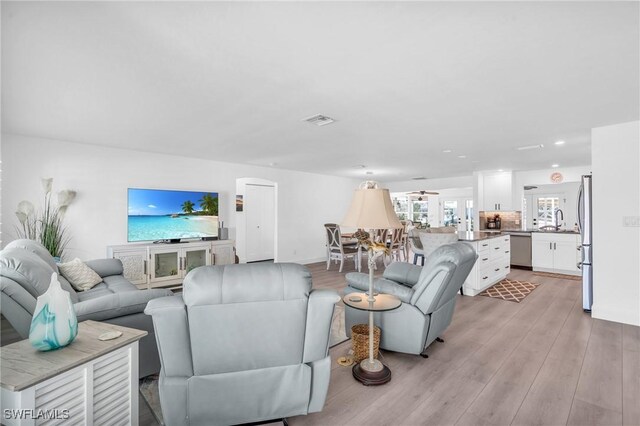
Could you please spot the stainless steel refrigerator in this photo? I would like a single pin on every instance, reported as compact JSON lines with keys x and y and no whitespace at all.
{"x":585,"y":221}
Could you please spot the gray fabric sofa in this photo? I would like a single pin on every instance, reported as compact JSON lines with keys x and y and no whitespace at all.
{"x":428,"y":296}
{"x":244,"y":343}
{"x":25,"y":273}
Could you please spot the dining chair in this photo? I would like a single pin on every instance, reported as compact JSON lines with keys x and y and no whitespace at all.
{"x":395,"y":246}
{"x":415,"y":246}
{"x":381,"y":236}
{"x":338,"y":250}
{"x":404,"y":239}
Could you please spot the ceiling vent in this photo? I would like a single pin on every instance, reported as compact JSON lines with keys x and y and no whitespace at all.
{"x":419,"y":178}
{"x":319,"y":120}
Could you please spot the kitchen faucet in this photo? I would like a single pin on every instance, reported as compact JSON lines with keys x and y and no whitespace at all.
{"x":555,"y":214}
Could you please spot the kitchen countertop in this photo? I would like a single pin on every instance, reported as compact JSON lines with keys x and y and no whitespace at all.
{"x":507,"y":231}
{"x":485,"y":235}
{"x":477,"y":235}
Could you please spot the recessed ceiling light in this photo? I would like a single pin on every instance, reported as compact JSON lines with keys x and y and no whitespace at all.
{"x":524,"y":148}
{"x":462,"y":156}
{"x":369,"y":173}
{"x":555,"y":165}
{"x":501,"y":170}
{"x":446,"y":151}
{"x":559,"y":143}
{"x":273,"y":164}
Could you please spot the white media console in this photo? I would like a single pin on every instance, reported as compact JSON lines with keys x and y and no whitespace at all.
{"x":165,"y":265}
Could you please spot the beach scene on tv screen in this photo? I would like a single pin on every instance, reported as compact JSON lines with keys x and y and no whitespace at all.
{"x":162,"y":214}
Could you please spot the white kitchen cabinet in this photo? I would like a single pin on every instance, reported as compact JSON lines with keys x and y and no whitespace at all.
{"x":493,"y":264}
{"x":497,"y":191}
{"x":163,"y":265}
{"x":567,"y":255}
{"x":555,"y":252}
{"x":541,"y":253}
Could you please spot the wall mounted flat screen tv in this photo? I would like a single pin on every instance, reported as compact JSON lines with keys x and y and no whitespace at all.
{"x":158,"y":215}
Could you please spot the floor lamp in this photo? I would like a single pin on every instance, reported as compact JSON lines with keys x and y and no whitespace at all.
{"x":371,"y":208}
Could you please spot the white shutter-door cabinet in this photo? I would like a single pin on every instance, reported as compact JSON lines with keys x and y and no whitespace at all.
{"x":89,"y":382}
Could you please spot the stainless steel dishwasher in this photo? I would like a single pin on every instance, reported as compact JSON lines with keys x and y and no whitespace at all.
{"x":521,"y":249}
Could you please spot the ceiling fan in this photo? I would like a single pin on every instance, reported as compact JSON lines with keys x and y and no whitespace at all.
{"x":422,"y":193}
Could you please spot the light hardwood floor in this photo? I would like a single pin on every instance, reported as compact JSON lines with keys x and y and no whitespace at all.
{"x":539,"y":362}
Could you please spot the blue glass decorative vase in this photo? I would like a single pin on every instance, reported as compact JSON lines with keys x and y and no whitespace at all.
{"x":54,"y":323}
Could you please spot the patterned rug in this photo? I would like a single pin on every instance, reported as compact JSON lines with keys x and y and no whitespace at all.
{"x":511,"y":290}
{"x":562,"y":276}
{"x":149,"y":385}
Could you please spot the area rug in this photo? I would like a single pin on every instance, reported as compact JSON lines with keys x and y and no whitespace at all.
{"x":150,"y":394}
{"x":511,"y":290}
{"x":562,"y":276}
{"x":149,"y":385}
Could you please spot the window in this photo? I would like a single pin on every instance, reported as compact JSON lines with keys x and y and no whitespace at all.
{"x":420,"y":211}
{"x":546,"y":208}
{"x":450,"y":217}
{"x":401,"y":207}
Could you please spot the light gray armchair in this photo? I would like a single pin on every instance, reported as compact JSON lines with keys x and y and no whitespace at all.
{"x":428,"y":297}
{"x":245,"y":343}
{"x":25,"y":273}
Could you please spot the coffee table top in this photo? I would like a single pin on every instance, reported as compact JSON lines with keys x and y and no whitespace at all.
{"x":383,"y":302}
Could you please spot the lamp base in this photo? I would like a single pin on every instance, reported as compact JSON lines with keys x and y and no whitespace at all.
{"x":379,"y":375}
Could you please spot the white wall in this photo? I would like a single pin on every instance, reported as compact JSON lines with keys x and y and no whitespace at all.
{"x":615,"y":152}
{"x":543,"y":177}
{"x":98,"y":216}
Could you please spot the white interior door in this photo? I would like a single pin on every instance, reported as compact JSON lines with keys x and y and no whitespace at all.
{"x":259,"y":207}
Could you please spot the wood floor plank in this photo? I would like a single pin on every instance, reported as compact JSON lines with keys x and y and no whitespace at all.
{"x":549,"y":400}
{"x":600,"y":384}
{"x":452,"y":396}
{"x":630,"y":338}
{"x":499,"y":401}
{"x":630,"y":388}
{"x":630,"y":375}
{"x":584,"y":413}
{"x":443,"y":362}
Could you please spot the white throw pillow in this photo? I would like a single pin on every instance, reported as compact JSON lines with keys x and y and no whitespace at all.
{"x":79,"y":275}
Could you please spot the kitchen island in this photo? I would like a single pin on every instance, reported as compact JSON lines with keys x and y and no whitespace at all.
{"x":494,"y":259}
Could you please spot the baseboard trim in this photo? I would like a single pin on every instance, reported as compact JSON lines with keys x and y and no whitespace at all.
{"x":309,"y":261}
{"x":615,"y":314}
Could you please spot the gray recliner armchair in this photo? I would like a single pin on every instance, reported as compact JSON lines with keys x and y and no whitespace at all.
{"x":244,"y":343}
{"x":428,"y":296}
{"x":25,"y":273}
